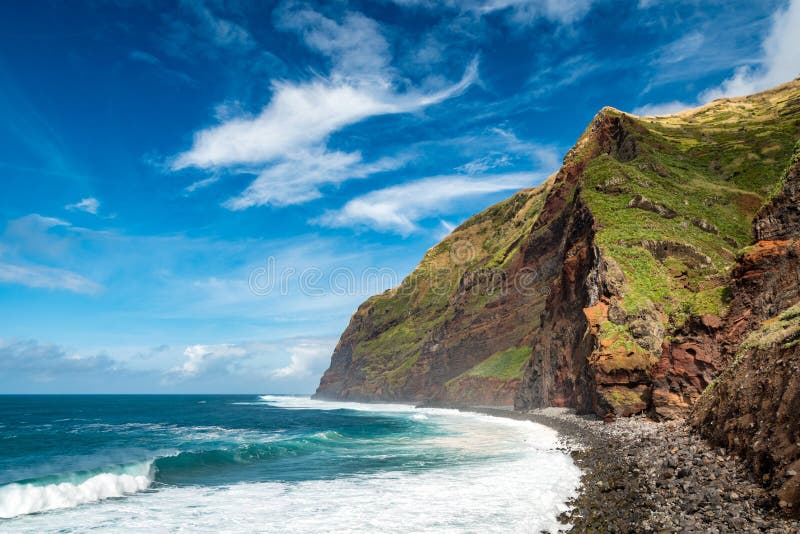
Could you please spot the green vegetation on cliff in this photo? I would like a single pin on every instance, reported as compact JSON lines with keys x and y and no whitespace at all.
{"x":505,"y":365}
{"x":676,"y":211}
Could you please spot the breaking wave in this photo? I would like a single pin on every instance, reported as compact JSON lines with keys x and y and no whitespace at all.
{"x":29,"y":498}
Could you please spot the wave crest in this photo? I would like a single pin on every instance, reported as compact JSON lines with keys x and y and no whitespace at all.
{"x":22,"y":499}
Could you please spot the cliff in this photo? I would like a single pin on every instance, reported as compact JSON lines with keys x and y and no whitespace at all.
{"x":753,"y":408}
{"x":458,"y":327}
{"x":605,"y":289}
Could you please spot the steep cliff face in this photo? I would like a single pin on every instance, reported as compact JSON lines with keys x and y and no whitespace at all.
{"x":632,"y":320}
{"x":604,"y":289}
{"x":754,"y":406}
{"x":457,"y":328}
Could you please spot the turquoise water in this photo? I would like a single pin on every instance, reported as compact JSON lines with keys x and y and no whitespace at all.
{"x":271,"y":463}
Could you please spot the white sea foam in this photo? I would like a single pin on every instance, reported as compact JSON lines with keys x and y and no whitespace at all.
{"x":22,"y":499}
{"x":518,"y":482}
{"x":290,"y":402}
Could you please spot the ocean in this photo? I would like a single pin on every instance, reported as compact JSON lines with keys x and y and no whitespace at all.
{"x":249,"y":463}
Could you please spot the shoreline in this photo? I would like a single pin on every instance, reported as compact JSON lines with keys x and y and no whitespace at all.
{"x":644,"y":476}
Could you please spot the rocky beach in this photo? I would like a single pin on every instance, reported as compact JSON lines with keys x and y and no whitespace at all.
{"x":645,"y":476}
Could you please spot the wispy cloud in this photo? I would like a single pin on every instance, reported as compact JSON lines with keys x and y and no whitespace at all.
{"x":31,"y":360}
{"x":199,"y":31}
{"x":399,"y":208}
{"x":36,"y":236}
{"x":201,"y":184}
{"x":522,"y":12}
{"x":683,"y":48}
{"x":355,"y":46}
{"x":140,"y":56}
{"x":298,"y":178}
{"x":299,"y":117}
{"x":498,"y":148}
{"x":33,"y":235}
{"x":285,"y":145}
{"x":144,"y":57}
{"x":89,"y":205}
{"x":40,"y":276}
{"x":779,"y":62}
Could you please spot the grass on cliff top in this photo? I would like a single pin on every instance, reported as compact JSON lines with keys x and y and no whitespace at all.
{"x":745,"y":141}
{"x":505,"y":365}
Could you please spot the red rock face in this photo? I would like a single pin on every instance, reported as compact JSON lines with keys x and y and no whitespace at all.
{"x":687,"y":366}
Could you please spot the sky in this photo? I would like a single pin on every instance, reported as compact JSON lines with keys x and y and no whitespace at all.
{"x":196,"y":196}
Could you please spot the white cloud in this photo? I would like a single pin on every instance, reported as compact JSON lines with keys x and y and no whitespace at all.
{"x":31,"y":360}
{"x":681,"y":49}
{"x":780,"y":61}
{"x":448,"y":226}
{"x":35,"y":222}
{"x":89,"y":205}
{"x":546,"y":156}
{"x":38,"y":238}
{"x":399,"y":208}
{"x":666,"y":108}
{"x":40,"y":276}
{"x":355,"y":46}
{"x":285,"y":144}
{"x":297,"y":178}
{"x":31,"y":236}
{"x":485,"y":163}
{"x":201,"y":184}
{"x":499,"y":148}
{"x":527,"y":11}
{"x":199,"y":357}
{"x":300,"y":117}
{"x":223,"y":32}
{"x":306,"y":358}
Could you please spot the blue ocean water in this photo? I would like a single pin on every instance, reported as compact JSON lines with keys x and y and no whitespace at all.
{"x":271,"y":463}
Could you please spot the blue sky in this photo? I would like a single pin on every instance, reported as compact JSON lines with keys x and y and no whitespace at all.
{"x":159,"y":160}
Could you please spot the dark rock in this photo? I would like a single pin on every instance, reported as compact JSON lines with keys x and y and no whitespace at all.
{"x":643,"y":203}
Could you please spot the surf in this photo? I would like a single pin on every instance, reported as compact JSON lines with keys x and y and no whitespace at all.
{"x":236,"y":461}
{"x":28,"y":498}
